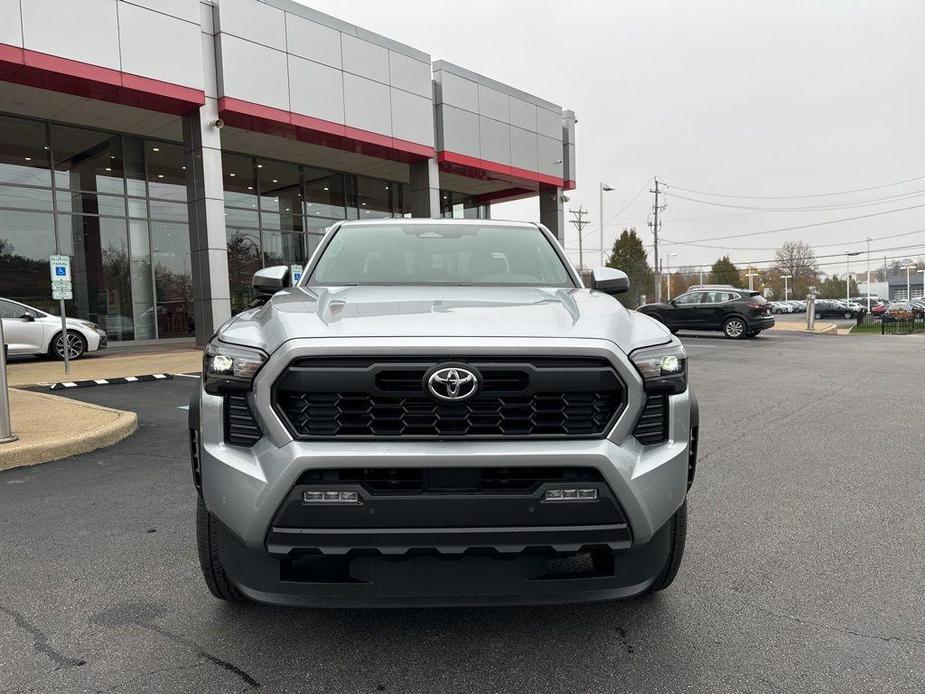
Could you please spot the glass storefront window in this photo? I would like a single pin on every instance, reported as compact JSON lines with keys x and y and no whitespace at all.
{"x":169,"y":211}
{"x":88,"y":203}
{"x":143,"y":312}
{"x":26,"y":241}
{"x":100,"y":271}
{"x":173,"y":279}
{"x":25,"y":198}
{"x":324,"y":194}
{"x":244,"y":260}
{"x":282,"y":248}
{"x":87,"y":160}
{"x":23,"y":152}
{"x":134,"y":165}
{"x":238,"y":180}
{"x":280,"y":191}
{"x":166,"y":171}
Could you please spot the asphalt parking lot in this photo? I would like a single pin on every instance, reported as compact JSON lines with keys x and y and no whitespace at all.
{"x":803,"y":572}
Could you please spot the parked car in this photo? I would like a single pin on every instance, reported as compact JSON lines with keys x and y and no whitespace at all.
{"x":781,"y":307}
{"x":827,"y":308}
{"x":405,"y":389}
{"x":27,"y":330}
{"x":903,"y":310}
{"x":738,"y":313}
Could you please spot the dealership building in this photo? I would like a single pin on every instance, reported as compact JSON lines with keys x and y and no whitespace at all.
{"x":173,"y":147}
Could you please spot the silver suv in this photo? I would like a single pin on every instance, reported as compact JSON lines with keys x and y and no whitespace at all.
{"x":439,"y":412}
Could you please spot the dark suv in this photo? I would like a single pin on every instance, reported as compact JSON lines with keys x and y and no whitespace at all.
{"x":738,"y":313}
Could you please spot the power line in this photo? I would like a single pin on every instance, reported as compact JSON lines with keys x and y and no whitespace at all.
{"x":772,"y":261}
{"x":809,"y":208}
{"x":629,"y":204}
{"x":796,"y":197}
{"x":803,"y":226}
{"x":774,"y":248}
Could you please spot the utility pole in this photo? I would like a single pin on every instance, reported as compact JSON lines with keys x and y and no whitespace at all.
{"x":580,"y":223}
{"x":867,"y":293}
{"x":656,"y":208}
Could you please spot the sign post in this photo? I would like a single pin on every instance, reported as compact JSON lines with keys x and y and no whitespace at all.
{"x":6,"y":430}
{"x":61,"y":289}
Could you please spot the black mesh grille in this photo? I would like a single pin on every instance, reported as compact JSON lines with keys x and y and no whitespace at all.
{"x":241,"y":429}
{"x":365,"y":398}
{"x":652,"y":426}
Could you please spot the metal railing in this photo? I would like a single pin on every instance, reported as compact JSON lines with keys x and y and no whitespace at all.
{"x":905,"y":323}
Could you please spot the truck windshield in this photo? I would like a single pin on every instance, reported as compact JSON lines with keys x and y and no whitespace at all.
{"x":440,"y":254}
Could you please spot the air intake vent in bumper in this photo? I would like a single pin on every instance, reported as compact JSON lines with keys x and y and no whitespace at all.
{"x":241,"y":429}
{"x":652,"y":426}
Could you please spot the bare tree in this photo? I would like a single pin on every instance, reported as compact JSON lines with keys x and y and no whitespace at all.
{"x":797,"y":259}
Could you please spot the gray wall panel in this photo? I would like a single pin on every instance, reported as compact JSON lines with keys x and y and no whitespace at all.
{"x":494,"y":140}
{"x":549,"y":151}
{"x":410,"y":74}
{"x":494,"y":104}
{"x":313,"y":41}
{"x":366,"y":104}
{"x":523,"y":149}
{"x":365,"y":59}
{"x":523,"y":114}
{"x":549,"y":123}
{"x":142,"y":37}
{"x":64,"y":27}
{"x":254,"y":21}
{"x":459,"y":92}
{"x":459,"y":130}
{"x":252,"y":72}
{"x":10,"y":23}
{"x":316,"y":90}
{"x":182,"y":9}
{"x":412,"y":117}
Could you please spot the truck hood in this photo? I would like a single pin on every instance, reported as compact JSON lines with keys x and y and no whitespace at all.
{"x":345,"y":312}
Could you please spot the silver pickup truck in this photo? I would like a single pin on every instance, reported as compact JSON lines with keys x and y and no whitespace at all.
{"x":440,"y":413}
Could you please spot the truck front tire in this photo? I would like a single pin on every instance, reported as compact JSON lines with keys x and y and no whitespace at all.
{"x":678,"y":530}
{"x":209,"y":558}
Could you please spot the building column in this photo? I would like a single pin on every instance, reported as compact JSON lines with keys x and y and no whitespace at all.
{"x":552,"y":211}
{"x":208,"y":243}
{"x":424,"y":188}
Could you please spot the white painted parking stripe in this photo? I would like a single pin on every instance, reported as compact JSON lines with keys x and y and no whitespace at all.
{"x":131,"y":378}
{"x":101,"y":381}
{"x":159,"y":376}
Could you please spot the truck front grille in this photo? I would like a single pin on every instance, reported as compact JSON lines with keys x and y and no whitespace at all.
{"x":366,"y":398}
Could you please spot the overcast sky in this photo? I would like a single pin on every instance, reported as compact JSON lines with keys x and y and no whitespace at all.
{"x":757,"y":98}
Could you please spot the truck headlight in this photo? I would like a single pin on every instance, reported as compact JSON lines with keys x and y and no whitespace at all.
{"x":230,"y":367}
{"x":663,"y":369}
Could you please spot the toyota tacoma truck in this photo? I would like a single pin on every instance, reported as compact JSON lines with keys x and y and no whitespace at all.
{"x":440,"y":412}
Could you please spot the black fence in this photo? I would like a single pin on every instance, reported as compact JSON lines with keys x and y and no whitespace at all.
{"x":891,"y":324}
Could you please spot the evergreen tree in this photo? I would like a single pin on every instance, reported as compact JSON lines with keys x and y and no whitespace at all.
{"x":724,"y":271}
{"x":629,"y":256}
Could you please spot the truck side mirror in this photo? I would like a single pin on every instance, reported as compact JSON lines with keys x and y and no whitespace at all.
{"x":270,"y":280}
{"x":609,"y":280}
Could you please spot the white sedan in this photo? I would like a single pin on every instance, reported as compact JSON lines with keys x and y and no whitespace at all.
{"x":27,"y":330}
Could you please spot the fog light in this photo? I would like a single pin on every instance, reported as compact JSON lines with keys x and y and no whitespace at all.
{"x":570,"y":495}
{"x":330,"y":496}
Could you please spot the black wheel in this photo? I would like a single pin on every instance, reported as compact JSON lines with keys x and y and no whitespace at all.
{"x":735,"y":328}
{"x":678,"y":531}
{"x":817,"y":315}
{"x":209,"y":556}
{"x":848,"y":315}
{"x":76,"y":345}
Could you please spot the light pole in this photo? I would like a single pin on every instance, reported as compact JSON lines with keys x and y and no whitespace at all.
{"x":867,"y":293}
{"x":604,"y":189}
{"x":786,"y":286}
{"x":750,"y":281}
{"x":668,"y":276}
{"x":848,"y":255}
{"x":908,"y":282}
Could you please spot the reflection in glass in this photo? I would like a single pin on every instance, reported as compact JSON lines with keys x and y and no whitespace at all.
{"x":25,"y":198}
{"x":101,"y":274}
{"x":243,"y":261}
{"x":173,"y":279}
{"x":26,"y":241}
{"x":238,"y":181}
{"x":87,"y":160}
{"x":134,"y":164}
{"x":23,"y":152}
{"x":324,"y":193}
{"x":88,"y":203}
{"x":142,"y":287}
{"x":282,"y":249}
{"x":279,"y":188}
{"x":166,"y":171}
{"x":169,"y":211}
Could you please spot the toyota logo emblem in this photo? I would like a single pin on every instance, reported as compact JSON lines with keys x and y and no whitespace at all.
{"x":452,"y":383}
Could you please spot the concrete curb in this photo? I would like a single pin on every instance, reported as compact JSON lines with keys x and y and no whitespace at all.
{"x":91,"y":427}
{"x":821,"y":329}
{"x":88,"y":383}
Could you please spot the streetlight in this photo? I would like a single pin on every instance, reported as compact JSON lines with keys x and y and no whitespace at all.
{"x":604,"y":189}
{"x":867,"y":293}
{"x":848,"y":255}
{"x":786,"y":287}
{"x":908,"y":282}
{"x":750,"y":275}
{"x":668,"y":277}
